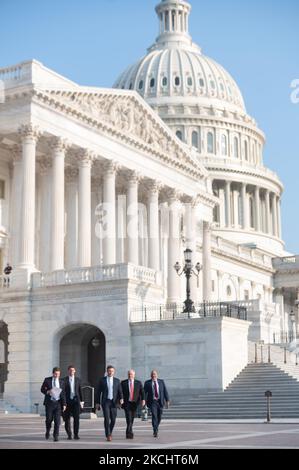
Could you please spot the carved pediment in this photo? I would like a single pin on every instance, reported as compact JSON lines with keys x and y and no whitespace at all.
{"x":126,"y":114}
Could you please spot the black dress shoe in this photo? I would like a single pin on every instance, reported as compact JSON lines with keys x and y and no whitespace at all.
{"x":155,"y":434}
{"x":47,"y":435}
{"x":77,"y":438}
{"x":69,"y":436}
{"x":55,"y":439}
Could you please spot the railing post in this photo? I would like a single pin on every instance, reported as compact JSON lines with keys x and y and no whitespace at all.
{"x":296,"y":359}
{"x":145,"y":315}
{"x":160,"y":312}
{"x":285,"y":355}
{"x":262,"y":359}
{"x":269,"y":353}
{"x":255,"y":358}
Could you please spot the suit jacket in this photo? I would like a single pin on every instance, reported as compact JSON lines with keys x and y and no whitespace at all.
{"x":149,"y":395}
{"x":102,"y":391}
{"x":47,"y":385}
{"x":138,"y":392}
{"x":78,"y":390}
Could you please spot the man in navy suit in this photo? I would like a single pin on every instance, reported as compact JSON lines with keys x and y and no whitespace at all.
{"x":54,"y":401}
{"x":156,"y":396}
{"x":74,"y":402}
{"x":108,"y":395}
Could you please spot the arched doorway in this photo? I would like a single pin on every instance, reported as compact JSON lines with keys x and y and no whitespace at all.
{"x":83,"y":346}
{"x":3,"y":355}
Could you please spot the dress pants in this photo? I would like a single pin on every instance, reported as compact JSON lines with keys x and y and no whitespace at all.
{"x":53,"y":412}
{"x":72,"y":409}
{"x":110,"y":413}
{"x":157,"y":411}
{"x":130,"y":411}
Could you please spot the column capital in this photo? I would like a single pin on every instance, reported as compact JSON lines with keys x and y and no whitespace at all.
{"x":71,"y":174}
{"x":133,"y":177}
{"x":29,"y":131}
{"x":173,"y":195}
{"x":206,"y":225}
{"x":85,"y":157}
{"x":111,"y":167}
{"x":58,"y":144}
{"x":193,"y":200}
{"x":153,"y":186}
{"x":16,"y":154}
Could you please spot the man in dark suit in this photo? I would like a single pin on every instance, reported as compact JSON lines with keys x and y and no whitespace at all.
{"x":108,"y":395}
{"x":74,"y":402}
{"x":53,"y":389}
{"x":156,"y":395}
{"x":133,"y":394}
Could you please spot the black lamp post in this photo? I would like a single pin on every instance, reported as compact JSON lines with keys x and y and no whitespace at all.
{"x":188,"y":271}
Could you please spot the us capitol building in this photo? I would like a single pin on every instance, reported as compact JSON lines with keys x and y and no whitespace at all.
{"x":101,"y":192}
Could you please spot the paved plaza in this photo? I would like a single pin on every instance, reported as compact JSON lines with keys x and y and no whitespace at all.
{"x":27,"y":432}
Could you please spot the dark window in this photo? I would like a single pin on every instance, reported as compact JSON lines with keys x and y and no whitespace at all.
{"x":179,"y":135}
{"x":2,"y":189}
{"x":140,"y":84}
{"x":152,"y":83}
{"x":189,"y":81}
{"x":201,"y":82}
{"x":164,"y":81}
{"x":177,"y":81}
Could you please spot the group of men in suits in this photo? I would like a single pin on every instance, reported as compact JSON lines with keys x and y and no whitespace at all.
{"x":65,"y":395}
{"x":62,"y":396}
{"x":130,"y":394}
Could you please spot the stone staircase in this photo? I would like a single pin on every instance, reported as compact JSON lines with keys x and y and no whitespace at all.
{"x":7,"y":408}
{"x":245,"y":398}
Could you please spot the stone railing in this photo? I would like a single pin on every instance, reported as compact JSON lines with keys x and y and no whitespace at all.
{"x":16,"y":72}
{"x":286,"y":263}
{"x":230,"y":163}
{"x":95,"y":274}
{"x":242,"y":251}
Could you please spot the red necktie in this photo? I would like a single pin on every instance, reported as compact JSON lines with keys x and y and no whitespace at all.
{"x":131,"y":391}
{"x":156,"y":390}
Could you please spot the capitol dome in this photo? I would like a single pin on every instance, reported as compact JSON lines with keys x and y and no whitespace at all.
{"x":203,"y":106}
{"x":175,"y":67}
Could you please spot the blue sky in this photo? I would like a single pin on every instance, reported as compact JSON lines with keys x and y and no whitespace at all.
{"x":257,"y":41}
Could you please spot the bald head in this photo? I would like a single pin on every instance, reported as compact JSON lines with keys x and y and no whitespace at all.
{"x":154,"y":374}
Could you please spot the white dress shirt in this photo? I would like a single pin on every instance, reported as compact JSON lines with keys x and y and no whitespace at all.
{"x":110,"y":387}
{"x":72,"y":386}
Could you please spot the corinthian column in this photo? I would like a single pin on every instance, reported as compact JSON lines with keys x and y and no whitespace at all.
{"x":71,"y":245}
{"x":257,"y":209}
{"x":85,"y":159}
{"x":274,"y":209}
{"x":16,"y":205}
{"x":29,"y":136}
{"x":245,"y":207}
{"x":228,"y":203}
{"x":153,"y":226}
{"x":109,"y":228}
{"x":174,"y":255}
{"x":132,"y":218}
{"x":58,"y":147}
{"x":206,"y":261}
{"x":45,"y":209}
{"x":268,"y":221}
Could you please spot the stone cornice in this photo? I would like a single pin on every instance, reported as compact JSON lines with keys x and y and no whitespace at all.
{"x":272,"y":178}
{"x":127,"y":118}
{"x":243,"y":261}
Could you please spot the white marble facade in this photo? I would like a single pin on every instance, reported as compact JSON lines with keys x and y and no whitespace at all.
{"x":101,"y":190}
